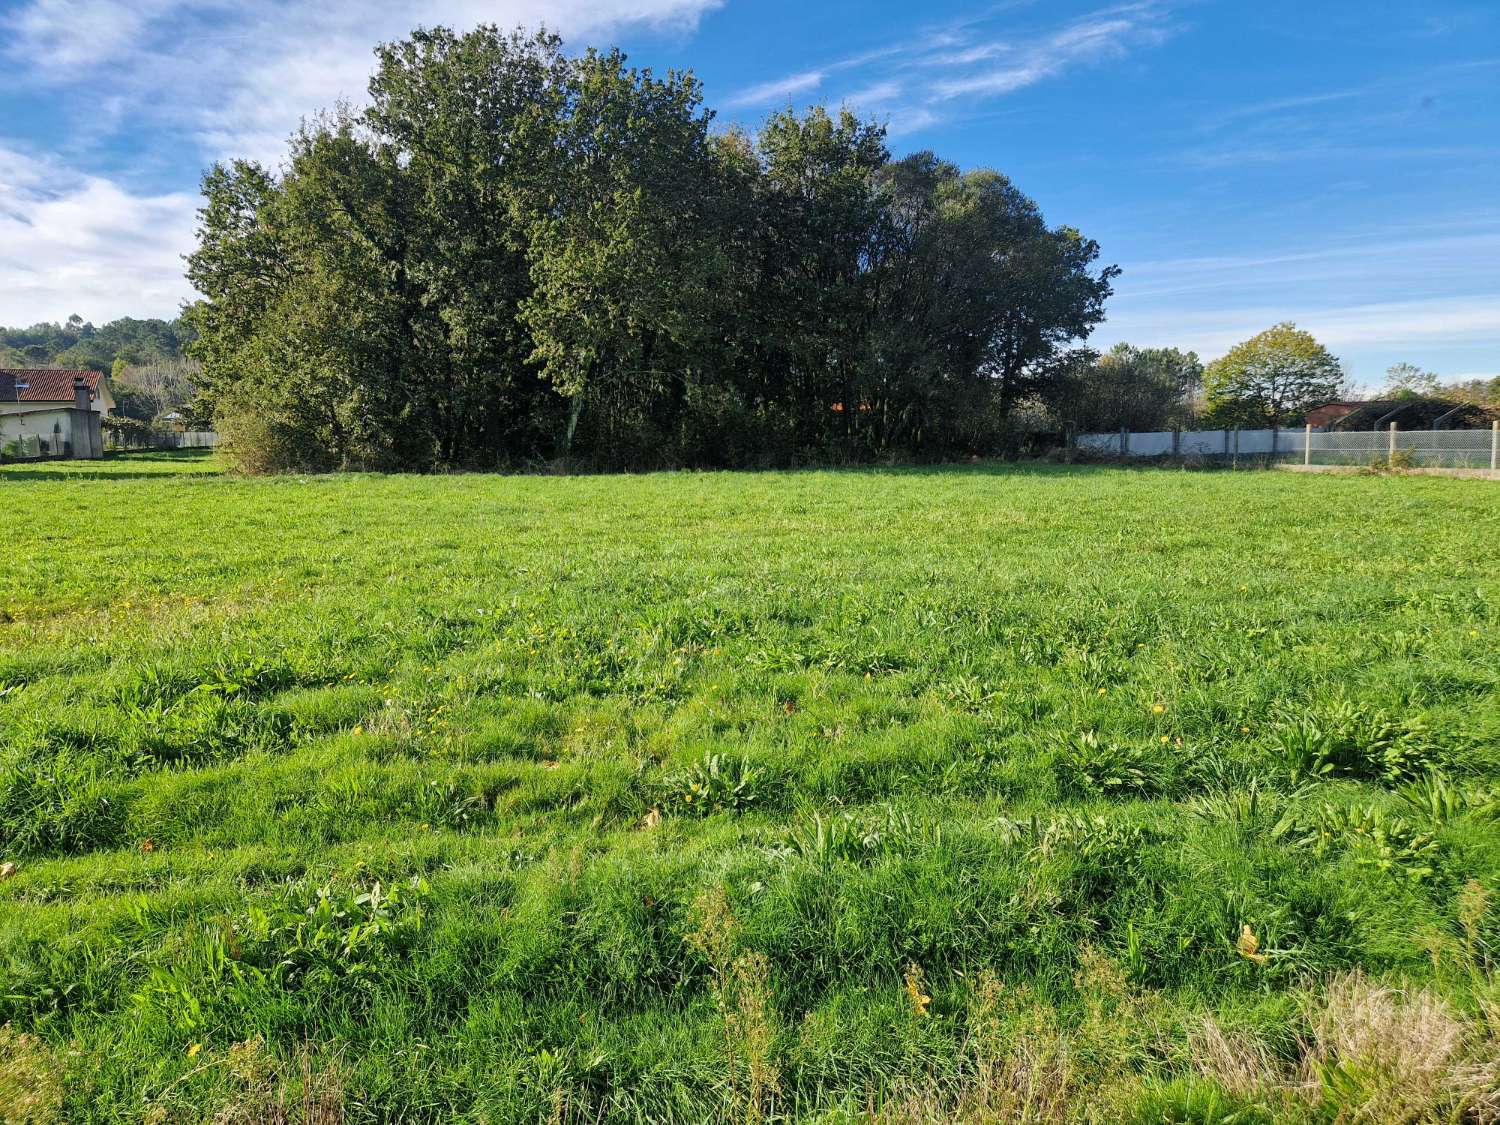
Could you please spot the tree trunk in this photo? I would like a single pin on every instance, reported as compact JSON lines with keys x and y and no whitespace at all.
{"x":575,"y":408}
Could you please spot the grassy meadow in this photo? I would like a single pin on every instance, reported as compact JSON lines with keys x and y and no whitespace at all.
{"x":971,"y":793}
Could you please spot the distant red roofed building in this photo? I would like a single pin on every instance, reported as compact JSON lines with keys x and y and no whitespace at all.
{"x":1410,"y":412}
{"x":27,"y":389}
{"x":1331,"y":411}
{"x":51,"y":413}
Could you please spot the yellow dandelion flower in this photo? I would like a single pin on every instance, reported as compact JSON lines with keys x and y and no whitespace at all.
{"x":194,"y":1049}
{"x":1165,"y":739}
{"x":1159,"y":709}
{"x":1104,"y":691}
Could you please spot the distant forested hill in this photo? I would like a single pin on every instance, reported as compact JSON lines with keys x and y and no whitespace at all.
{"x":77,"y":343}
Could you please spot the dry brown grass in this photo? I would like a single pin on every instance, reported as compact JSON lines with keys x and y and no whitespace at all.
{"x":1372,"y":1053}
{"x":260,"y":1089}
{"x":1027,"y":1068}
{"x":1239,"y":1063}
{"x":742,"y":989}
{"x":31,"y":1080}
{"x":309,"y":1092}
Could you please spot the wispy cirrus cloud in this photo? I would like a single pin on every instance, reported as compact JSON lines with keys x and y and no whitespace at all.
{"x":1107,"y":35}
{"x":1396,"y":117}
{"x":778,"y":89}
{"x":1339,"y":287}
{"x":1211,"y":331}
{"x":919,"y":83}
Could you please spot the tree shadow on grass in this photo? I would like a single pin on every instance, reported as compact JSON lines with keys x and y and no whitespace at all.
{"x":119,"y":466}
{"x":43,"y":474}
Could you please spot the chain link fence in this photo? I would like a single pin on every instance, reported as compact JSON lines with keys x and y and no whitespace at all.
{"x":1437,"y":449}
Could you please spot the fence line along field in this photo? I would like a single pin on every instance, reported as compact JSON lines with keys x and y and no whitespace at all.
{"x":979,"y":794}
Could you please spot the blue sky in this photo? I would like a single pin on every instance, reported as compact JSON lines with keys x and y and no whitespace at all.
{"x":1332,"y":163}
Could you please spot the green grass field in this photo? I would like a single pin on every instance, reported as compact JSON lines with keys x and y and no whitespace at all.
{"x":980,"y":794}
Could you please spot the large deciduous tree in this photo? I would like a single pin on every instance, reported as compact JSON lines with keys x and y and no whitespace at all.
{"x":623,"y":252}
{"x":1272,"y":379}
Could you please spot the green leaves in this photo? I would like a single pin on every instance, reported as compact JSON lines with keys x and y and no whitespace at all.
{"x":513,"y":255}
{"x":1344,"y":739}
{"x":1090,"y":767}
{"x":1272,"y":379}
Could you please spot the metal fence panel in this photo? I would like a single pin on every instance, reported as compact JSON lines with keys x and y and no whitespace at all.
{"x":1452,"y":449}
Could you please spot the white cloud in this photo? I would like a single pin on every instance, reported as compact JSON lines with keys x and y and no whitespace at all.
{"x":73,"y":243}
{"x":1104,"y":35}
{"x":881,"y":93}
{"x":778,"y":89}
{"x":68,"y":35}
{"x":238,"y":76}
{"x":213,"y":79}
{"x":926,"y":80}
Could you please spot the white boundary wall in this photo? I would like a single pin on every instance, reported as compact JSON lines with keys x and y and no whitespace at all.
{"x":1201,"y":443}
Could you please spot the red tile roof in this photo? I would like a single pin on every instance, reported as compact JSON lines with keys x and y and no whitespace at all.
{"x":44,"y":384}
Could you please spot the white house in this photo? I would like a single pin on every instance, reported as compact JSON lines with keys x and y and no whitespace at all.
{"x":56,"y":413}
{"x":22,"y":389}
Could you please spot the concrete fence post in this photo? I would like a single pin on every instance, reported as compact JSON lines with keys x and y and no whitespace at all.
{"x":1495,"y":446}
{"x":1307,"y":447}
{"x":1124,"y":442}
{"x":1392,"y":442}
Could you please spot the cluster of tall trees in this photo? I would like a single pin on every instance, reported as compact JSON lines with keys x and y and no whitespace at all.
{"x":1129,"y":388}
{"x":512,"y":254}
{"x":77,"y":343}
{"x":1408,"y":380}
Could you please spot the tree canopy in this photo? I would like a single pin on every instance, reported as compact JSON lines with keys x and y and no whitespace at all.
{"x":1142,"y":389}
{"x":77,"y":343}
{"x":517,"y":254}
{"x":1271,"y":379}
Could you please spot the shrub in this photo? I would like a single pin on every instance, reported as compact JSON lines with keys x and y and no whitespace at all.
{"x":257,"y":441}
